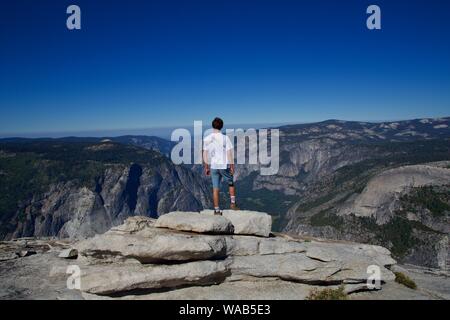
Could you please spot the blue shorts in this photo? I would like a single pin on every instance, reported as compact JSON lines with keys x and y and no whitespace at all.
{"x":218,"y":174}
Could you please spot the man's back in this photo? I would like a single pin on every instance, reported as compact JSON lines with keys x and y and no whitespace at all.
{"x":217,"y":145}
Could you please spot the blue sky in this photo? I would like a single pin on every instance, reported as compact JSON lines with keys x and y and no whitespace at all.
{"x":139,"y":64}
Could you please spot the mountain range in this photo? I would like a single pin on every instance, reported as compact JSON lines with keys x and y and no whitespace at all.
{"x":384,"y":183}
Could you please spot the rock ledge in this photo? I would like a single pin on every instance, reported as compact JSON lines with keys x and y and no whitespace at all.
{"x":173,"y":255}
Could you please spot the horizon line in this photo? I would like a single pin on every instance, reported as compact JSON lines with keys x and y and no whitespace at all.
{"x":83,"y":133}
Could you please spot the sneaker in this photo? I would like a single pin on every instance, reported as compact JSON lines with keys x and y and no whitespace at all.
{"x":217,"y":213}
{"x":233,"y":206}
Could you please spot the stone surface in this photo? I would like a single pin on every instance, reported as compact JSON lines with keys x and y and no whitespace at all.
{"x":242,"y":290}
{"x":123,"y":278}
{"x":68,"y":210}
{"x":314,"y":152}
{"x":300,"y":268}
{"x":378,"y":195}
{"x":433,"y":282}
{"x":149,"y":245}
{"x":68,"y":253}
{"x":8,"y":256}
{"x":36,"y":277}
{"x":329,"y":251}
{"x":291,"y":267}
{"x":137,"y":260}
{"x":195,"y":222}
{"x":26,"y":253}
{"x":133,"y":224}
{"x":247,"y":222}
{"x":248,"y":245}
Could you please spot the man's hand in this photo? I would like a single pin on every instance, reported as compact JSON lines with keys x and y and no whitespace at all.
{"x":232,"y":169}
{"x":206,"y":169}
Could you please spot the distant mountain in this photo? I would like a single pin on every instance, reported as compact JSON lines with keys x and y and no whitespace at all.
{"x":323,"y":165}
{"x":148,"y":142}
{"x":311,"y":153}
{"x":396,"y":131}
{"x":76,"y":186}
{"x":151,"y":143}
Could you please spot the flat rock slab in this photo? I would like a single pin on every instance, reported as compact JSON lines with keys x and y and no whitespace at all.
{"x":247,"y":222}
{"x":291,"y":267}
{"x":119,"y":278}
{"x":241,"y":290}
{"x":195,"y":222}
{"x":248,"y":245}
{"x":349,"y":252}
{"x":152,"y":245}
{"x":299,"y":267}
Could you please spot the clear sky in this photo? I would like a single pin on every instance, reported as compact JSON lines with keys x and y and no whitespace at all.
{"x":138,"y":64}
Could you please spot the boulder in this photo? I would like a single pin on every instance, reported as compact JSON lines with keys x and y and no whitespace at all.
{"x":122,"y":278}
{"x":70,"y":253}
{"x":195,"y":222}
{"x":315,"y":262}
{"x":152,"y":245}
{"x":26,"y":253}
{"x":247,"y":222}
{"x":144,"y":256}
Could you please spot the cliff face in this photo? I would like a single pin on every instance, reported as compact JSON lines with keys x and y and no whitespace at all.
{"x":70,"y":211}
{"x":326,"y":184}
{"x":316,"y":160}
{"x":406,"y":209}
{"x":100,"y":195}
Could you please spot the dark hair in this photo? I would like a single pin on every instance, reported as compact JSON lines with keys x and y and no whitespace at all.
{"x":217,"y":123}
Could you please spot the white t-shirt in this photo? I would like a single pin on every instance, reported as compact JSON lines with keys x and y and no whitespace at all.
{"x":217,"y":145}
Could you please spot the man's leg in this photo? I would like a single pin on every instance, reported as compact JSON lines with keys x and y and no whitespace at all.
{"x":231,"y":188}
{"x":216,"y":198}
{"x":215,"y":177}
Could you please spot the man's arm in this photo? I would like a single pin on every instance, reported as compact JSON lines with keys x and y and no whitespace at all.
{"x":231,"y":160}
{"x":230,"y":155}
{"x":205,"y":162}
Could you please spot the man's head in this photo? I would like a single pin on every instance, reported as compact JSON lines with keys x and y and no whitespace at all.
{"x":217,"y":123}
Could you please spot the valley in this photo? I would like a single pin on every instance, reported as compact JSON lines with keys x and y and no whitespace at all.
{"x":333,"y":183}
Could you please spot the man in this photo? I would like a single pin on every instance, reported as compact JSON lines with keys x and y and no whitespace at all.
{"x":218,"y":152}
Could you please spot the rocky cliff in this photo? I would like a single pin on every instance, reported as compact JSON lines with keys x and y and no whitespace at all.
{"x":319,"y":160}
{"x":336,"y":177}
{"x":406,"y":209}
{"x":79,"y":189}
{"x":191,"y":255}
